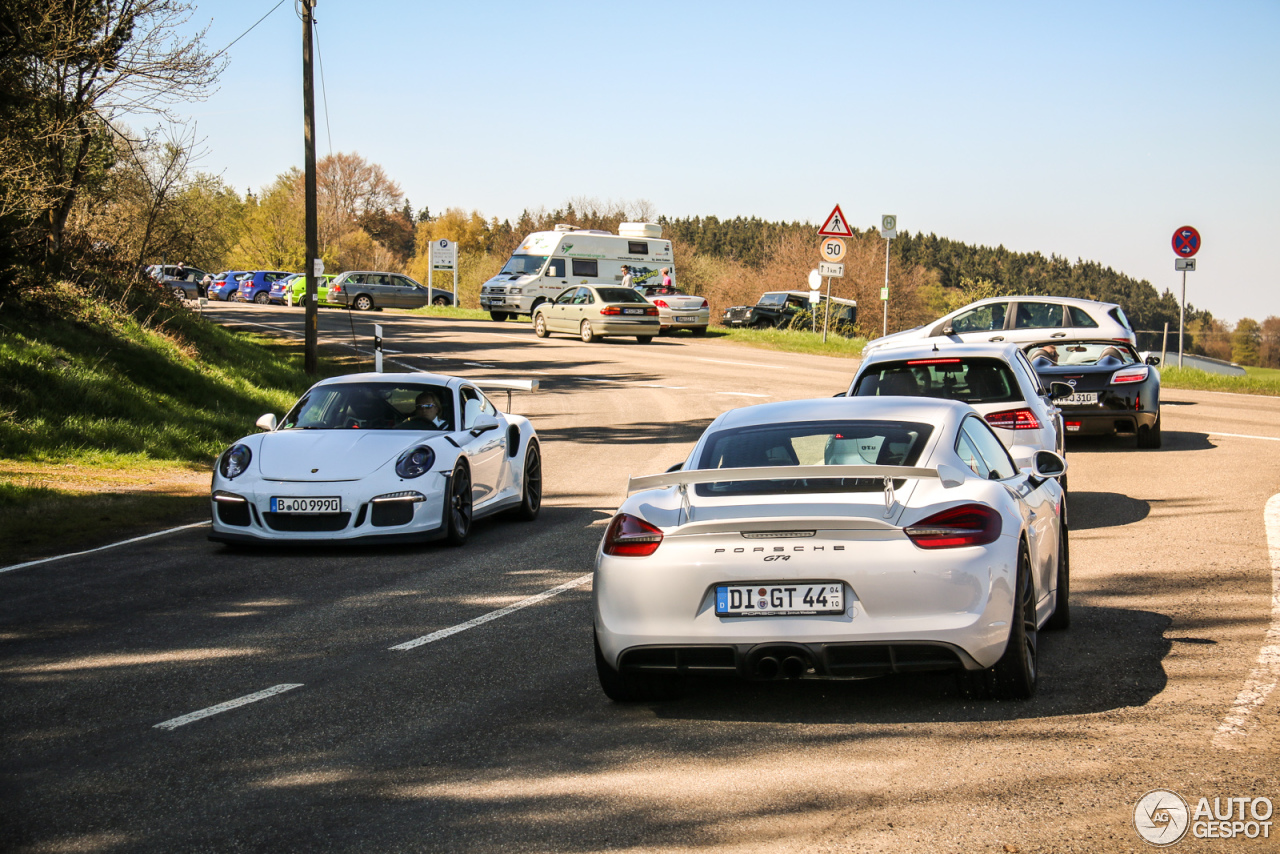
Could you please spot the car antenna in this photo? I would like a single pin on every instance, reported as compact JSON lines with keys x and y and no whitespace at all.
{"x":935,"y":346}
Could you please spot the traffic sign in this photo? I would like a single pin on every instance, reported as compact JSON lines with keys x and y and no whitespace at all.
{"x":836,"y":225}
{"x":832,"y":249}
{"x":1186,"y":242}
{"x":888,"y":226}
{"x":884,"y":294}
{"x":814,"y":296}
{"x":1184,"y":265}
{"x":815,"y":280}
{"x":835,"y":271}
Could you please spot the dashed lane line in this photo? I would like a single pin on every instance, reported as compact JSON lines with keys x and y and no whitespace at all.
{"x":1243,"y":436}
{"x":740,"y":394}
{"x":746,"y":364}
{"x":174,"y":723}
{"x":1261,"y":682}
{"x":101,"y":548}
{"x":492,"y":615}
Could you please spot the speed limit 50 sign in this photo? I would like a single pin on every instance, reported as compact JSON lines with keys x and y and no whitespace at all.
{"x":831,"y":249}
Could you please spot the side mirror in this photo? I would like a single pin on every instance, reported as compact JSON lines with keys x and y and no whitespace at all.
{"x":948,"y":330}
{"x":841,"y":394}
{"x":1153,"y":360}
{"x":266,"y":422}
{"x":1048,"y":464}
{"x":484,"y":422}
{"x":1057,"y":391}
{"x":676,"y":467}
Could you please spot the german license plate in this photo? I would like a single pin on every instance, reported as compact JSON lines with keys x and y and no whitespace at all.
{"x":306,"y":505}
{"x":1080,"y":398}
{"x":693,"y":319}
{"x":633,"y":311}
{"x":785,"y":599}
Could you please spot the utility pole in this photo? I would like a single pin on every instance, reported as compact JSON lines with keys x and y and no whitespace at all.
{"x":311,"y":361}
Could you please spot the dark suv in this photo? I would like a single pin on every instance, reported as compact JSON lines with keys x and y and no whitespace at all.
{"x":777,"y":309}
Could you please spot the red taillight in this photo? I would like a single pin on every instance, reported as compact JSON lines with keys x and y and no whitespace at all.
{"x":661,"y":303}
{"x":966,"y":525}
{"x":706,"y":304}
{"x":933,"y":361}
{"x":611,"y":309}
{"x":1123,"y":340}
{"x":631,"y":537}
{"x":335,"y":289}
{"x":1014,"y":419}
{"x":649,"y":310}
{"x":1129,"y":375}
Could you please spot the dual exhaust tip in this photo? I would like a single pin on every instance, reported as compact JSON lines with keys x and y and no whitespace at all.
{"x":780,"y":664}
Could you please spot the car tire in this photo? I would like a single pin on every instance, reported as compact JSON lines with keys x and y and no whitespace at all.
{"x":1016,"y":674}
{"x":633,"y":687}
{"x":540,"y":326}
{"x":262,"y":299}
{"x":585,"y":332}
{"x":1149,"y":437}
{"x":531,"y":484}
{"x":457,"y":506}
{"x":364,"y":302}
{"x":762,"y":324}
{"x":441,"y":301}
{"x":499,"y":316}
{"x":1061,"y":618}
{"x":699,"y":331}
{"x":180,"y":293}
{"x":644,"y":339}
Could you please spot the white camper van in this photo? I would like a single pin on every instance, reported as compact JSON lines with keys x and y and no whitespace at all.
{"x":548,"y":262}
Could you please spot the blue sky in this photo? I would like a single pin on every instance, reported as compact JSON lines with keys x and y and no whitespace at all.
{"x":1086,"y":130}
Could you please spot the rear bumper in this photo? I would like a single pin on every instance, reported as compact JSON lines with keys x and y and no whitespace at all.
{"x":821,"y":660}
{"x":1095,"y":422}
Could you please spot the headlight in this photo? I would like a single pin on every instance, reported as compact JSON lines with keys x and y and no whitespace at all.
{"x":514,"y":291}
{"x":235,"y":461}
{"x":415,"y":462}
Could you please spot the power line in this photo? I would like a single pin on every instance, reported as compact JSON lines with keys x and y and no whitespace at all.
{"x":246,"y":32}
{"x":324,"y":93}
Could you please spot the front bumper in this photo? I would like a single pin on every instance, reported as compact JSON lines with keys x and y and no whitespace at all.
{"x":241,"y":512}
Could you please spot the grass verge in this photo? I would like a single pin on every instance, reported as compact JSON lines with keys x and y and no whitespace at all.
{"x":791,"y":341}
{"x":451,"y":311}
{"x":1264,"y":381}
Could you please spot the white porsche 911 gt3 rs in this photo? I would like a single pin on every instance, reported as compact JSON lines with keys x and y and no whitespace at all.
{"x":835,"y":538}
{"x":379,"y":457}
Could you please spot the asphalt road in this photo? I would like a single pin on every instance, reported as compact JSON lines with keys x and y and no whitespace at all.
{"x":498,"y":739}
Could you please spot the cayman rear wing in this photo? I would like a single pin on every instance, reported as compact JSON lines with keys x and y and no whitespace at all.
{"x":888,"y":474}
{"x":507,"y":385}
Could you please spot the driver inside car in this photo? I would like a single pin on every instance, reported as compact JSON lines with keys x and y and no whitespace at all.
{"x":427,"y":414}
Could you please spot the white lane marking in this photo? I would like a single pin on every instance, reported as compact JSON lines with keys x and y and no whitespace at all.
{"x":740,"y":394}
{"x":1266,"y":673}
{"x":593,"y":380}
{"x":479,"y":365}
{"x":746,"y":364}
{"x":493,"y":615}
{"x":227,"y":706}
{"x":1243,"y":436}
{"x":514,"y":337}
{"x":655,"y":385}
{"x":102,"y":548}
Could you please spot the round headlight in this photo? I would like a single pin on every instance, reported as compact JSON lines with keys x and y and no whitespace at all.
{"x":235,"y":461}
{"x":415,"y":462}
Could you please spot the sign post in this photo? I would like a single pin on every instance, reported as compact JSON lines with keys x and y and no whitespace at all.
{"x":832,"y":249}
{"x":377,"y":347}
{"x":1186,"y":243}
{"x":888,"y":230}
{"x":443,"y":256}
{"x":815,"y":296}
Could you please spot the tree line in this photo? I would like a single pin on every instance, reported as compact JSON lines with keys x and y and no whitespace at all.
{"x":77,"y":183}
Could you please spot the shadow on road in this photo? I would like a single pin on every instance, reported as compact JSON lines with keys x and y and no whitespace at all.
{"x":1104,"y":510}
{"x":1171,"y":440}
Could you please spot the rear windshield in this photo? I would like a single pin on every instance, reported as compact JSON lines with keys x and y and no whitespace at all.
{"x":1118,"y":314}
{"x":968,"y":380}
{"x":619,"y":295}
{"x":812,"y":443}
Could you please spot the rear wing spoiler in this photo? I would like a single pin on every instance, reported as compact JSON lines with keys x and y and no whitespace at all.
{"x":947,"y":474}
{"x":507,"y":385}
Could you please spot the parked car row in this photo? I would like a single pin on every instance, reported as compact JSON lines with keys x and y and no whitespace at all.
{"x":359,"y":289}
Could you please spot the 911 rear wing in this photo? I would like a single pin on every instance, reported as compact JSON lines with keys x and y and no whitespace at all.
{"x":507,"y":385}
{"x":949,"y":476}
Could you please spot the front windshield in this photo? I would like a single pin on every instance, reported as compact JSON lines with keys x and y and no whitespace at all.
{"x":523,"y":265}
{"x":772,"y":299}
{"x":822,"y":443}
{"x":372,"y":406}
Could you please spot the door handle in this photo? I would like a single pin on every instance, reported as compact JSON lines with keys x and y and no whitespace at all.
{"x":1058,"y":335}
{"x":996,"y":338}
{"x":1033,"y":515}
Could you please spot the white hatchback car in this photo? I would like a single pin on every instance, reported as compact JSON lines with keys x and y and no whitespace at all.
{"x":835,"y":538}
{"x":995,"y":379}
{"x":1019,"y":320}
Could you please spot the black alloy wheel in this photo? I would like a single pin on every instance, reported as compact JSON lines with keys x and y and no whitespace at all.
{"x":1061,"y":618}
{"x":634,"y":687}
{"x":262,"y":298}
{"x":531,"y":500}
{"x":458,"y":506}
{"x":1016,"y":674}
{"x":1149,"y":437}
